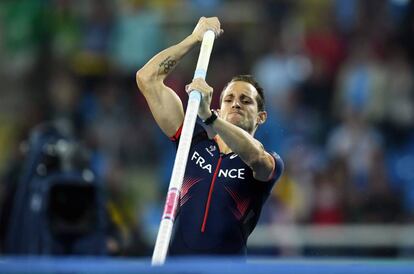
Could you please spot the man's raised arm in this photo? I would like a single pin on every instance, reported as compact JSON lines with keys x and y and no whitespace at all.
{"x":164,"y":103}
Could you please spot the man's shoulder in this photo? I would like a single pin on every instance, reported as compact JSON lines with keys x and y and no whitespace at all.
{"x":279,"y":166}
{"x":200,"y":131}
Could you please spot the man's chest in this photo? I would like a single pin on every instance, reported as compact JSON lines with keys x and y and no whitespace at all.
{"x":206,"y":160}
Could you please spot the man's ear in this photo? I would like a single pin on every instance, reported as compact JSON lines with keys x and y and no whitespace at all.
{"x":261,"y":117}
{"x":218,"y":112}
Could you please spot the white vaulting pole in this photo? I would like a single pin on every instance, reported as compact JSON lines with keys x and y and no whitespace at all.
{"x":173,"y":195}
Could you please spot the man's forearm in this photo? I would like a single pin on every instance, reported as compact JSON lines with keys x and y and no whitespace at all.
{"x":164,"y":62}
{"x":239,"y":141}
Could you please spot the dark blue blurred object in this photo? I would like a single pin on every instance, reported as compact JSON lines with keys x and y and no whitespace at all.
{"x":400,"y":168}
{"x":58,"y":207}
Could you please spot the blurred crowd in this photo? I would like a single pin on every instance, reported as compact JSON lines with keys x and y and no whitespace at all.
{"x":337,"y":74}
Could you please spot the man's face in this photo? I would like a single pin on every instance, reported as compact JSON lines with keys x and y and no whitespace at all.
{"x":239,"y":106}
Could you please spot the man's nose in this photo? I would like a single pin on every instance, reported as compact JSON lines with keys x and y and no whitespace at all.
{"x":235,"y":104}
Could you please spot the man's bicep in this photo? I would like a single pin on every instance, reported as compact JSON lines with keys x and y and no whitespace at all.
{"x":166,"y":107}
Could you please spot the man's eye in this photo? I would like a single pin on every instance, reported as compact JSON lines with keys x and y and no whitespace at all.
{"x":246,"y":102}
{"x":227,"y":100}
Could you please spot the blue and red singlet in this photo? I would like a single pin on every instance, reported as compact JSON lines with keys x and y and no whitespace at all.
{"x":220,"y":201}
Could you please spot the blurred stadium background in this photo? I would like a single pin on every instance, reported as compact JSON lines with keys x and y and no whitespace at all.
{"x":339,"y":80}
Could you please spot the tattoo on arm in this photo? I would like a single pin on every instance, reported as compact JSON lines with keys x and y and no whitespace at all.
{"x":167,"y":65}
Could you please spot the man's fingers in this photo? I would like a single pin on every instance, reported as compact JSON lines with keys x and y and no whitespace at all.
{"x":213,"y":24}
{"x":200,"y":85}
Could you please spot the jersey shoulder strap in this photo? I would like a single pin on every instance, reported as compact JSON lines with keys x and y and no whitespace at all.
{"x":200,"y":133}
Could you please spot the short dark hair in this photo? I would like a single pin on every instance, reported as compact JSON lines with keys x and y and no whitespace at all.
{"x":260,"y":99}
